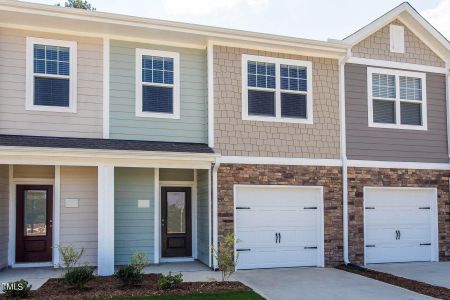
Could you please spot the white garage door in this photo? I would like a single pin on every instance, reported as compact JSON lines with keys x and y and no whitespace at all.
{"x":400,"y":225}
{"x":279,"y":226}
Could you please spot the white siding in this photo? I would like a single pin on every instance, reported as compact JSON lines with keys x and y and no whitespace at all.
{"x":14,"y":119}
{"x":79,"y":225}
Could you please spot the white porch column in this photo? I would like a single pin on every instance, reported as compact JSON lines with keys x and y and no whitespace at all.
{"x":105,"y":220}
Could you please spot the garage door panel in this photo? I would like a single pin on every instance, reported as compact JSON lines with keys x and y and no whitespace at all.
{"x":262,"y":212}
{"x":284,"y":257}
{"x":398,"y":225}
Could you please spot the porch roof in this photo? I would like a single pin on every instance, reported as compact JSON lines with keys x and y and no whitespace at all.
{"x":101,"y":144}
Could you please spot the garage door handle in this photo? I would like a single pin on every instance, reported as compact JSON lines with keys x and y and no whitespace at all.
{"x":370,"y":207}
{"x":425,"y":244}
{"x":425,"y":207}
{"x":309,"y":247}
{"x":310,"y":207}
{"x":241,"y":250}
{"x":370,"y":246}
{"x":242,"y":207}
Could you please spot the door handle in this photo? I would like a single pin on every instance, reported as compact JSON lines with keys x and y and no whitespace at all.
{"x":279,"y":238}
{"x":396,"y":235}
{"x":276,"y":237}
{"x":399,"y":234}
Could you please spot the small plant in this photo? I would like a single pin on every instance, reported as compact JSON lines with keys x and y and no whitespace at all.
{"x":167,"y":282}
{"x":224,"y":255}
{"x":70,"y":256}
{"x":17,"y":289}
{"x":132,"y":273}
{"x":139,"y":260}
{"x":79,"y":276}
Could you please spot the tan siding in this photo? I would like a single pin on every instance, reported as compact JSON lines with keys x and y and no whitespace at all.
{"x":79,"y":225}
{"x":14,"y":119}
{"x":176,"y":174}
{"x":4,"y":217}
{"x":31,"y":171}
{"x":377,"y":46}
{"x":234,"y":136}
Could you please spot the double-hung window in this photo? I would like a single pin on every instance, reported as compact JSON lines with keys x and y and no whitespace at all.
{"x":157,"y":84}
{"x":51,"y":75}
{"x":397,"y":99}
{"x":276,"y":89}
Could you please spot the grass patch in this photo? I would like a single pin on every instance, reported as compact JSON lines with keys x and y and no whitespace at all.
{"x":226,"y":295}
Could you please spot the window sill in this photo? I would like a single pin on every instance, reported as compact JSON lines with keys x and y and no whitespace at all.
{"x":51,"y":108}
{"x":157,"y":115}
{"x":277,"y":120}
{"x":398,"y":126}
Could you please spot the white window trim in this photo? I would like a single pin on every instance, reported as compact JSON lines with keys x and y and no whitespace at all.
{"x":396,"y":45}
{"x":29,"y":102}
{"x":277,"y":90}
{"x":176,"y":84}
{"x":397,"y":99}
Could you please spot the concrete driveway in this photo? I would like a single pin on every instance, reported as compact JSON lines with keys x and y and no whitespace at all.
{"x":435,"y":273}
{"x":320,"y":283}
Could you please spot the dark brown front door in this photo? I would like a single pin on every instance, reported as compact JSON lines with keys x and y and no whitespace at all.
{"x":176,"y":236}
{"x":34,"y":217}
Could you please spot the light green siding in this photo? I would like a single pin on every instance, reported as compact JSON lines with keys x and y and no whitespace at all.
{"x":192,"y":125}
{"x":134,"y":227}
{"x":176,"y":175}
{"x":203,"y":216}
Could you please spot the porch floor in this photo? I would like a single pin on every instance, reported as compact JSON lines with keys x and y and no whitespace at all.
{"x":192,"y":271}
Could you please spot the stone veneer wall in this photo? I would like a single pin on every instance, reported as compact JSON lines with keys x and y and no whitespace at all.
{"x":234,"y":136}
{"x":377,"y":46}
{"x":328,"y":177}
{"x":360,"y":177}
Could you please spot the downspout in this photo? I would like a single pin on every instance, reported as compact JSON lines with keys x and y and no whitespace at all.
{"x":343,"y":146}
{"x":214,"y":217}
{"x":447,"y":91}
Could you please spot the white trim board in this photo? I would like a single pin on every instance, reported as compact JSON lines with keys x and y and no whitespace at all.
{"x":397,"y":165}
{"x":278,"y":161}
{"x":106,"y":85}
{"x":30,"y":75}
{"x":397,"y":100}
{"x":13,"y":182}
{"x":158,"y":240}
{"x":175,"y":114}
{"x":210,"y":67}
{"x":395,"y":65}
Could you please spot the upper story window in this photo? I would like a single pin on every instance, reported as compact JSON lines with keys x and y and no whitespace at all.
{"x":51,"y":75}
{"x":397,"y":99}
{"x":157,"y":84}
{"x":397,"y":38}
{"x":277,"y":90}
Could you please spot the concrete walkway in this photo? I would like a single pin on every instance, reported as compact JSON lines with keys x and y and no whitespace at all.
{"x":320,"y":284}
{"x":35,"y":276}
{"x":435,"y":273}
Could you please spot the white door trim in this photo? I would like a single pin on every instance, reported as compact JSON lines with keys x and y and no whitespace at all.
{"x":320,"y":235}
{"x":13,"y":182}
{"x":193,"y":186}
{"x":434,"y":217}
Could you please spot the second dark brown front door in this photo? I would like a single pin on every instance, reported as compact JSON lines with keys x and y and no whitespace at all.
{"x":34,"y":217}
{"x":176,"y":234}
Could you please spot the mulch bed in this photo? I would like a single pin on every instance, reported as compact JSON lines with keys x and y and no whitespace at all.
{"x":412,"y":285}
{"x":108,"y":287}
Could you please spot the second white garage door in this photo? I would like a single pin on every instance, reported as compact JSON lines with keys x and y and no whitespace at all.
{"x":279,"y":226}
{"x":400,"y":224}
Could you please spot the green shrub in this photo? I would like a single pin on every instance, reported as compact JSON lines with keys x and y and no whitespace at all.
{"x":77,"y":277}
{"x":132,"y":273}
{"x":17,"y":289}
{"x":167,"y":282}
{"x":129,"y":275}
{"x":70,"y":256}
{"x":225,"y":256}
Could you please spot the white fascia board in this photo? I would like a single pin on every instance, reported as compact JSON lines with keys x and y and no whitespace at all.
{"x":395,"y":65}
{"x":278,"y":161}
{"x":208,"y":32}
{"x":397,"y":165}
